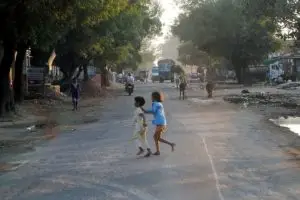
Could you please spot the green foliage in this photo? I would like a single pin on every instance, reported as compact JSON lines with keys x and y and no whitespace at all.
{"x":115,"y":40}
{"x":110,"y":30}
{"x":177,"y":69}
{"x":230,"y":29}
{"x":188,"y":54}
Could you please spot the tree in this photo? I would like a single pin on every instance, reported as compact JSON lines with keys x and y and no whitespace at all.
{"x":28,"y":23}
{"x":188,"y":54}
{"x":148,"y":55}
{"x":109,"y":32}
{"x":79,"y":45}
{"x":223,"y":28}
{"x":112,"y":42}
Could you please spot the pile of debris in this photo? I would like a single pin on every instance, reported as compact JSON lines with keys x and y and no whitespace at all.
{"x":255,"y":98}
{"x":290,"y":86}
{"x":93,"y":88}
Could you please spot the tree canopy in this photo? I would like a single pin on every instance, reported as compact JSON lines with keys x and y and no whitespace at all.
{"x":243,"y":32}
{"x":188,"y":54}
{"x":109,"y":32}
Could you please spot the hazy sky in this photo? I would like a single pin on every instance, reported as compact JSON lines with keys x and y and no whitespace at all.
{"x":170,"y":12}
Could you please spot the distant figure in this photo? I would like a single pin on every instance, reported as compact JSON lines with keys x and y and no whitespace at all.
{"x":210,"y":86}
{"x":129,"y":80}
{"x":177,"y":81}
{"x":182,"y":87}
{"x":75,"y":93}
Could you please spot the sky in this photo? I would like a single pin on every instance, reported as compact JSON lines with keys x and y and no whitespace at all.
{"x":170,"y":11}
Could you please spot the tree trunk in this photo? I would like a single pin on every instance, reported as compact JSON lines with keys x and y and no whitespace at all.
{"x":238,"y":72}
{"x":104,"y":78}
{"x":72,"y":71}
{"x":18,"y":80}
{"x":79,"y":72}
{"x":240,"y":68}
{"x":5,"y":66}
{"x":85,"y":72}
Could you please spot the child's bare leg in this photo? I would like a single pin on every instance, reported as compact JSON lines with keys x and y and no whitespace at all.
{"x":157,"y":138}
{"x":167,"y":142}
{"x":156,"y":141}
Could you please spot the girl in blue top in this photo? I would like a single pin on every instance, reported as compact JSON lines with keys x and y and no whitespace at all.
{"x":159,"y":121}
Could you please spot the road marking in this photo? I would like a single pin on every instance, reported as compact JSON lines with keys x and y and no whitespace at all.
{"x":134,"y":191}
{"x":213,"y":169}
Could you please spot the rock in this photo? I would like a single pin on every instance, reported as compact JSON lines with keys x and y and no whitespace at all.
{"x":31,"y":128}
{"x":245,"y":91}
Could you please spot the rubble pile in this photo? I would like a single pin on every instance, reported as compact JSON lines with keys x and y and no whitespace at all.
{"x":283,"y":100}
{"x":290,"y":86}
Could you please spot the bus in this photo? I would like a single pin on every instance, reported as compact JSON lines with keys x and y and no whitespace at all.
{"x":165,"y":67}
{"x":155,"y":74}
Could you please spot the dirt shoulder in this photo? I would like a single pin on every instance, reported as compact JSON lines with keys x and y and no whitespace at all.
{"x":258,"y":106}
{"x":271,"y":104}
{"x":43,"y":119}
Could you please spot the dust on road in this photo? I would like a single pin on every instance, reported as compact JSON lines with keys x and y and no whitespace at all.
{"x":223,"y":152}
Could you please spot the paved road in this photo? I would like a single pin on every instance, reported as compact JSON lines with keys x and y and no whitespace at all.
{"x":223,"y":153}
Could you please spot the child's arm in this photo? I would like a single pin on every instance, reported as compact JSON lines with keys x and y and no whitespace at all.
{"x":144,"y":119}
{"x":150,"y":111}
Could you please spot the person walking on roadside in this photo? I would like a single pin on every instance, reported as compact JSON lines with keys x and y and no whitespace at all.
{"x":75,"y":93}
{"x":177,"y":81}
{"x":140,"y":131}
{"x":159,"y":121}
{"x":182,"y":86}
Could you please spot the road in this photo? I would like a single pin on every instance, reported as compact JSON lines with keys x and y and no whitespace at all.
{"x":222,"y":153}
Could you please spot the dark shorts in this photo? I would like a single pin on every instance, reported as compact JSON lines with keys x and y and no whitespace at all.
{"x":182,"y":86}
{"x":75,"y":97}
{"x":160,"y":129}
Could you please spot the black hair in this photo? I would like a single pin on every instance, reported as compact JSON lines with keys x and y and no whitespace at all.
{"x":140,"y":100}
{"x":157,"y":96}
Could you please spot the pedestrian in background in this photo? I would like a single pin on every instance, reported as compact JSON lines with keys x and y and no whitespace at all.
{"x":75,"y":93}
{"x":159,"y":121}
{"x":177,"y":81}
{"x":182,"y":86}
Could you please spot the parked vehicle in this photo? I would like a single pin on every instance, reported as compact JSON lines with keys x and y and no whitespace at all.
{"x":143,"y":75}
{"x":155,"y":74}
{"x":266,"y":72}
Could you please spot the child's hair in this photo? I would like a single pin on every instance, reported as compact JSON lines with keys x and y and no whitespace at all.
{"x":140,"y":100}
{"x":157,"y":96}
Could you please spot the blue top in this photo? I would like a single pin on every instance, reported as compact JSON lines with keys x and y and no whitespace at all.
{"x":158,"y":113}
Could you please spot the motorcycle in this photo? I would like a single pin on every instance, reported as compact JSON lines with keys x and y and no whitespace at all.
{"x":129,"y":89}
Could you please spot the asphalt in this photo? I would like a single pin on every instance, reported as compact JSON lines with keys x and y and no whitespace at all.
{"x":223,"y":153}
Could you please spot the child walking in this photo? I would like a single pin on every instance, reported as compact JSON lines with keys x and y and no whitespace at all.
{"x":75,"y":93}
{"x":140,"y":132}
{"x":159,"y":121}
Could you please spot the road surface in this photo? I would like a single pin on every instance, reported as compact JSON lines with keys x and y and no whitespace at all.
{"x":222,"y":153}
